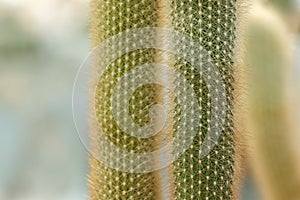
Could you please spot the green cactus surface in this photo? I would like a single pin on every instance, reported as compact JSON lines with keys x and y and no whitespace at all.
{"x":211,"y":23}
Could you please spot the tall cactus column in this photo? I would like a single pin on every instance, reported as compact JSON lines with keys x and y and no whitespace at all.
{"x":271,"y":118}
{"x":194,"y":175}
{"x":212,"y":23}
{"x":108,"y":18}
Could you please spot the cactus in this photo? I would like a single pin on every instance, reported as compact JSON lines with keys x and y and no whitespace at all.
{"x":283,"y":5}
{"x":273,"y":131}
{"x":212,"y":23}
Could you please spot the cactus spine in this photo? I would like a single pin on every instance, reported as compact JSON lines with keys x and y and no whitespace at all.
{"x":213,"y":24}
{"x":273,"y":129}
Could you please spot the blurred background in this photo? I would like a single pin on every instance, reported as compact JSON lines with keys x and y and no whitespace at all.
{"x":42,"y":44}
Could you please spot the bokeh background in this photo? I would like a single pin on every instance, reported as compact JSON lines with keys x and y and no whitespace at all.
{"x":42,"y":44}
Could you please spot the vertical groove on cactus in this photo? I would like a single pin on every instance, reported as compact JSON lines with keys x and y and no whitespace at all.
{"x":164,"y":177}
{"x":213,"y":24}
{"x":273,"y":133}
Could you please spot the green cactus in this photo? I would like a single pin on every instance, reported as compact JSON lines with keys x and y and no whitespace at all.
{"x":212,"y":23}
{"x":271,"y":121}
{"x":283,"y":5}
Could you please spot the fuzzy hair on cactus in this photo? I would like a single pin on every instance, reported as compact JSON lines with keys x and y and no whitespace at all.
{"x":275,"y":156}
{"x":214,"y":25}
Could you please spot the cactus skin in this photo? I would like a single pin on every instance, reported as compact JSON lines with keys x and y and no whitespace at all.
{"x":213,"y":176}
{"x":275,"y":160}
{"x":110,"y":17}
{"x":213,"y":24}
